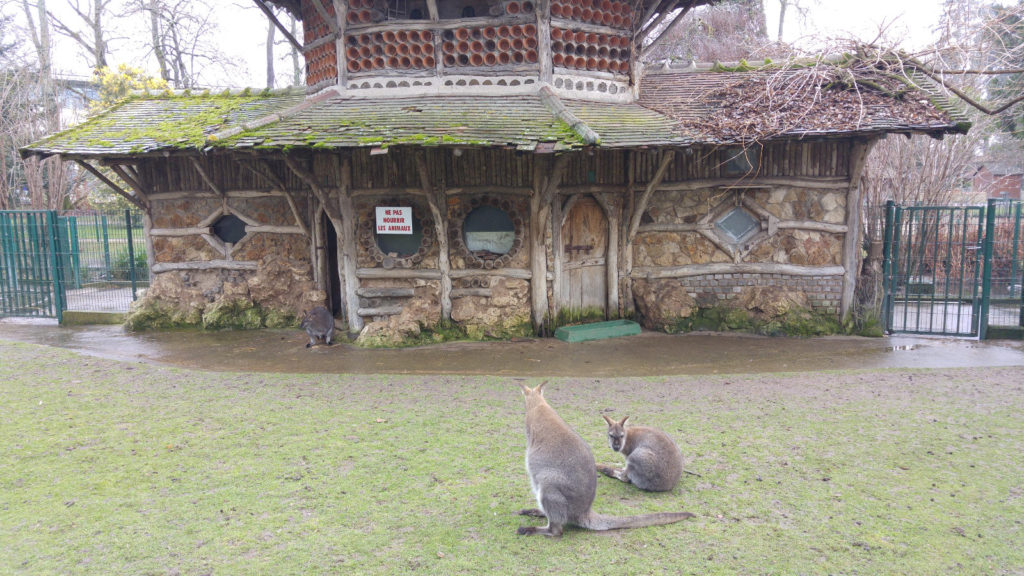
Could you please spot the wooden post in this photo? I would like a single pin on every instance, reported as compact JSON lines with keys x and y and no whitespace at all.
{"x":626,"y":248}
{"x":544,"y":40}
{"x":851,"y":242}
{"x":341,"y":60}
{"x":343,"y":220}
{"x":438,"y":210}
{"x":349,"y":252}
{"x":611,"y":210}
{"x":540,"y":212}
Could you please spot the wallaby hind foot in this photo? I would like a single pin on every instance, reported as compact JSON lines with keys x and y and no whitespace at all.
{"x":613,"y":472}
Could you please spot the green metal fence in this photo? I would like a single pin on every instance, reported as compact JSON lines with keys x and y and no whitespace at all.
{"x":954,"y":270}
{"x":31,"y":282}
{"x":82,"y":261}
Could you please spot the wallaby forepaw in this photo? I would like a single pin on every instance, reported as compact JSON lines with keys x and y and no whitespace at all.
{"x":535,"y":512}
{"x":308,"y":345}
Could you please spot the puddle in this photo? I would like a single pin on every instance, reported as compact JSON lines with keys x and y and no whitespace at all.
{"x":647,"y":354}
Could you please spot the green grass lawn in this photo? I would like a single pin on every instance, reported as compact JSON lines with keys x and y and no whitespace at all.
{"x":115,"y":468}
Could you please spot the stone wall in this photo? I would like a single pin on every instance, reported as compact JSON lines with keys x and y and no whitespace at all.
{"x":280,"y":286}
{"x":800,"y":227}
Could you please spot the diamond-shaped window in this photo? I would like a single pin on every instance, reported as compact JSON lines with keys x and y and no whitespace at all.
{"x":229,"y":228}
{"x":738,"y":224}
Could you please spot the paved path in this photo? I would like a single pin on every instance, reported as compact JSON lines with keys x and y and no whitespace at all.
{"x":648,"y":354}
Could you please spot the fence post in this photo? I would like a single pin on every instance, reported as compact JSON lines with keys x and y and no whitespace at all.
{"x":106,"y":246}
{"x":890,"y":208}
{"x":131,"y":251}
{"x":53,"y":231}
{"x":986,"y":273}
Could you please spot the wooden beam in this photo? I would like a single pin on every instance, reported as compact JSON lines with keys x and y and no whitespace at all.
{"x":519,"y":273}
{"x":654,"y":272}
{"x":656,"y":8}
{"x":206,"y":265}
{"x":398,"y":274}
{"x":440,"y":233}
{"x":193,"y":231}
{"x":206,"y":176}
{"x":432,"y":10}
{"x":129,"y":179}
{"x":260,"y":168}
{"x":273,"y":19}
{"x":666,"y":160}
{"x":318,"y":5}
{"x":138,"y":202}
{"x":676,"y":20}
{"x":385,"y":292}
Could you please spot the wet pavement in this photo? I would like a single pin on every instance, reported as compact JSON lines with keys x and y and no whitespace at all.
{"x":647,"y":354}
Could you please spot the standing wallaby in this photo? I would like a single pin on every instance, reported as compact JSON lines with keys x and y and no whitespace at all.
{"x":562,"y":476}
{"x":318,"y":323}
{"x":653,"y":461}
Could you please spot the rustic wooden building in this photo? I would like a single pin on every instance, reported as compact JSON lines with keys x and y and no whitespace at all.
{"x":531,"y":164}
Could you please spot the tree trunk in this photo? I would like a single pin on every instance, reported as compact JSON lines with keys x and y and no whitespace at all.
{"x":783,"y":4}
{"x":271,"y":29}
{"x":156,"y":36}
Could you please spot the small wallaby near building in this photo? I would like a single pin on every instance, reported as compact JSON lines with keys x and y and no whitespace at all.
{"x":561,"y":470}
{"x":653,"y":460}
{"x":318,"y":324}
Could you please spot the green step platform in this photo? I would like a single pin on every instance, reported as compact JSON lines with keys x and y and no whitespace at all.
{"x":597,"y":331}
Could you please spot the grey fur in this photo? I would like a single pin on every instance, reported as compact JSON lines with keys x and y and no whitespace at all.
{"x":318,"y":324}
{"x":561,"y":470}
{"x":653,"y":460}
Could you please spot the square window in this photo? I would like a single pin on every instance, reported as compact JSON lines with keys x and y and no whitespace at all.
{"x":737,"y":225}
{"x":740,"y":161}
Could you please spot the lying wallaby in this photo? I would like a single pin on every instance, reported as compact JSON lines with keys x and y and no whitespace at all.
{"x":653,"y":461}
{"x":318,"y":323}
{"x":561,"y":470}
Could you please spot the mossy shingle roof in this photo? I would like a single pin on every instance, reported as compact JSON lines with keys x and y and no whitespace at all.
{"x":676,"y":108}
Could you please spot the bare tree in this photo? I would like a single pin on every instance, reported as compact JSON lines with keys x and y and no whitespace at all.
{"x":799,"y":6}
{"x":727,"y":31}
{"x":39,"y":30}
{"x":90,"y":30}
{"x":271,"y":29}
{"x":183,"y":39}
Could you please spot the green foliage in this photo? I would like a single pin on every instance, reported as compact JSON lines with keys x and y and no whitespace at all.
{"x":797,"y":322}
{"x":120,"y":266}
{"x":234,"y":314}
{"x":573,"y":316}
{"x":116,"y":85}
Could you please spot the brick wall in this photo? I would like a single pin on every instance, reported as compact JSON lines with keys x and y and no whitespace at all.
{"x":823,"y":292}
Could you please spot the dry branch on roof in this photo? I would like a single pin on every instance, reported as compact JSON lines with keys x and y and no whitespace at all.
{"x":826,"y":97}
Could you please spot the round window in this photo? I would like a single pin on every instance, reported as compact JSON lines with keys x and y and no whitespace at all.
{"x":229,"y":228}
{"x":488,"y":230}
{"x":402,"y":245}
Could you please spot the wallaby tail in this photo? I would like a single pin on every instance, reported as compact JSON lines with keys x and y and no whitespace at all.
{"x":597,"y":521}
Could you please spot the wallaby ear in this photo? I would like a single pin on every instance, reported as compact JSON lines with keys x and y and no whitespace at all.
{"x":608,"y":420}
{"x":526,"y":389}
{"x":540,"y":388}
{"x":623,"y":422}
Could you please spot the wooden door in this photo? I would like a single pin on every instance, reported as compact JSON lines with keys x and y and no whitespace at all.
{"x":583,"y":251}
